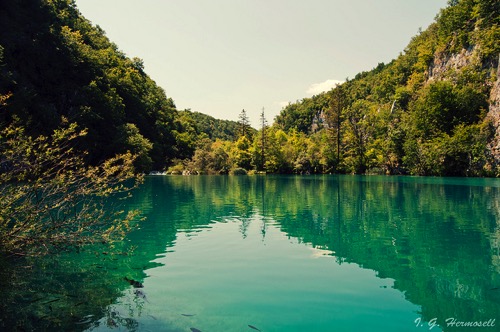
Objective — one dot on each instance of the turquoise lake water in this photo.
(287, 253)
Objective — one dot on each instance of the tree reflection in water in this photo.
(437, 238)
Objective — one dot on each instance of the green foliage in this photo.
(455, 23)
(51, 200)
(299, 116)
(276, 161)
(214, 128)
(244, 128)
(417, 114)
(464, 153)
(91, 83)
(241, 153)
(139, 146)
(459, 104)
(239, 171)
(210, 158)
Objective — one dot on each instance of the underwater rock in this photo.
(141, 294)
(111, 323)
(133, 282)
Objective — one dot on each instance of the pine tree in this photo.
(334, 118)
(244, 123)
(263, 123)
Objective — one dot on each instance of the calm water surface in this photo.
(278, 253)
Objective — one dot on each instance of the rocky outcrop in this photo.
(445, 63)
(494, 116)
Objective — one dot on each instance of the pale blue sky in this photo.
(221, 56)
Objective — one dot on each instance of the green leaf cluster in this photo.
(51, 199)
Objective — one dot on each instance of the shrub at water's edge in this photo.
(239, 171)
(52, 200)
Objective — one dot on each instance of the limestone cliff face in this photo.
(444, 64)
(494, 115)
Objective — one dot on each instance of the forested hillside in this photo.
(431, 111)
(58, 68)
(434, 110)
(213, 128)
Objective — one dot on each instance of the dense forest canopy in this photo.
(55, 64)
(425, 113)
(430, 111)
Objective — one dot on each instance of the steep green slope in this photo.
(57, 67)
(424, 113)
